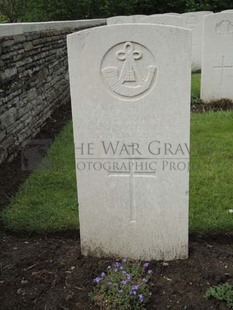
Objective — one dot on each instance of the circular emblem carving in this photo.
(128, 70)
(224, 27)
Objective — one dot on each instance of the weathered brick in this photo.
(8, 118)
(8, 73)
(33, 83)
(28, 46)
(7, 43)
(19, 38)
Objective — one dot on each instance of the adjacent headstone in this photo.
(138, 18)
(131, 118)
(164, 19)
(217, 61)
(227, 11)
(194, 21)
(173, 13)
(125, 19)
(119, 20)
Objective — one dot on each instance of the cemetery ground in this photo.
(41, 266)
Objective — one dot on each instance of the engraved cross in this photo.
(223, 67)
(132, 175)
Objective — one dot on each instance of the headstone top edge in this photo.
(163, 14)
(129, 25)
(198, 12)
(221, 14)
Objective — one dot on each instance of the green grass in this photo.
(211, 186)
(196, 80)
(47, 201)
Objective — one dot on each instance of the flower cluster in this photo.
(124, 283)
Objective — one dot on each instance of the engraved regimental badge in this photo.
(224, 27)
(128, 70)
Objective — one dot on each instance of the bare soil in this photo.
(214, 105)
(49, 273)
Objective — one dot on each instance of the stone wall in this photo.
(33, 78)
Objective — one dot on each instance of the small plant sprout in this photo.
(123, 286)
(196, 100)
(222, 292)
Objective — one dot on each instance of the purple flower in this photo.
(117, 264)
(134, 292)
(141, 297)
(124, 260)
(150, 271)
(135, 287)
(146, 265)
(128, 276)
(124, 272)
(121, 268)
(97, 280)
(103, 274)
(124, 282)
(144, 280)
(109, 283)
(115, 269)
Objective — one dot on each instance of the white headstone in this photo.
(164, 19)
(227, 11)
(217, 61)
(119, 20)
(132, 94)
(173, 13)
(138, 18)
(194, 21)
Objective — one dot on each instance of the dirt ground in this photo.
(49, 272)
